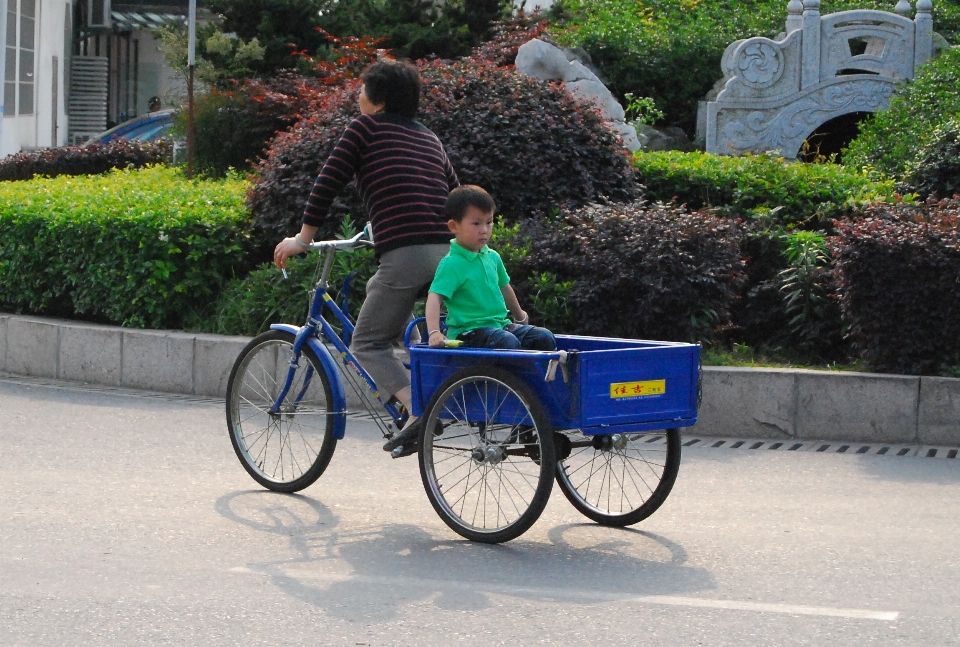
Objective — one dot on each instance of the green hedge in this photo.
(808, 195)
(141, 248)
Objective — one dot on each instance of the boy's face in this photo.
(473, 232)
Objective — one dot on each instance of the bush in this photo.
(234, 125)
(141, 248)
(638, 271)
(807, 195)
(891, 140)
(898, 272)
(287, 172)
(233, 128)
(84, 160)
(670, 51)
(416, 28)
(524, 140)
(264, 297)
(936, 169)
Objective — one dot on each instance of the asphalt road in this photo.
(125, 519)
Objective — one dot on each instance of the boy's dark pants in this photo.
(513, 337)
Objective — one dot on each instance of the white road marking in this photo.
(572, 594)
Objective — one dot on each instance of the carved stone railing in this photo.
(775, 93)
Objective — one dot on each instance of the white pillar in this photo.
(810, 64)
(924, 34)
(794, 16)
(903, 7)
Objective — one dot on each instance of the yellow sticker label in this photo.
(637, 389)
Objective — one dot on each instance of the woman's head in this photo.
(393, 84)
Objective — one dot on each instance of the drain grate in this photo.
(817, 446)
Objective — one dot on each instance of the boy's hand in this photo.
(437, 339)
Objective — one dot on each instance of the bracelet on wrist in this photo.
(433, 331)
(300, 242)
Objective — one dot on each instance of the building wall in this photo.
(157, 79)
(28, 132)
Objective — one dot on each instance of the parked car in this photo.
(150, 127)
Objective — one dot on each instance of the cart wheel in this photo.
(489, 470)
(289, 450)
(620, 479)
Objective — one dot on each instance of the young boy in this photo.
(473, 284)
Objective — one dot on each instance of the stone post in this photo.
(794, 16)
(903, 7)
(924, 34)
(810, 65)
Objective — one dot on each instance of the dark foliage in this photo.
(899, 283)
(235, 124)
(759, 317)
(639, 271)
(526, 141)
(279, 25)
(416, 28)
(234, 127)
(80, 160)
(507, 37)
(936, 169)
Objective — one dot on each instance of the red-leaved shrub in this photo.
(84, 160)
(526, 141)
(899, 285)
(640, 271)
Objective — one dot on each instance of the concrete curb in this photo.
(740, 402)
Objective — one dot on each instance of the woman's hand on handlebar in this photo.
(292, 246)
(437, 339)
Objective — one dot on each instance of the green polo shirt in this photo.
(470, 283)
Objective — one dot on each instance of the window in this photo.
(18, 77)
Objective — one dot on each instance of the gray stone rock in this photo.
(627, 134)
(542, 61)
(663, 139)
(577, 71)
(597, 94)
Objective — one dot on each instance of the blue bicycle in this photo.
(600, 416)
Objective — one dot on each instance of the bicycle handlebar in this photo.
(365, 237)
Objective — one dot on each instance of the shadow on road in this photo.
(331, 567)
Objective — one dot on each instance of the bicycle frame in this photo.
(317, 327)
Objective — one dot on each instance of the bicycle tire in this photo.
(487, 420)
(633, 477)
(288, 451)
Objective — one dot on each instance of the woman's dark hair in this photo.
(395, 84)
(468, 195)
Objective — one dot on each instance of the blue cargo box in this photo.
(609, 386)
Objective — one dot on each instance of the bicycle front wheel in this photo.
(618, 479)
(288, 448)
(486, 455)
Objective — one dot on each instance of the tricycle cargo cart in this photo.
(500, 426)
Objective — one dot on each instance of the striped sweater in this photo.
(403, 175)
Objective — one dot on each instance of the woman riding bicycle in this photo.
(404, 177)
